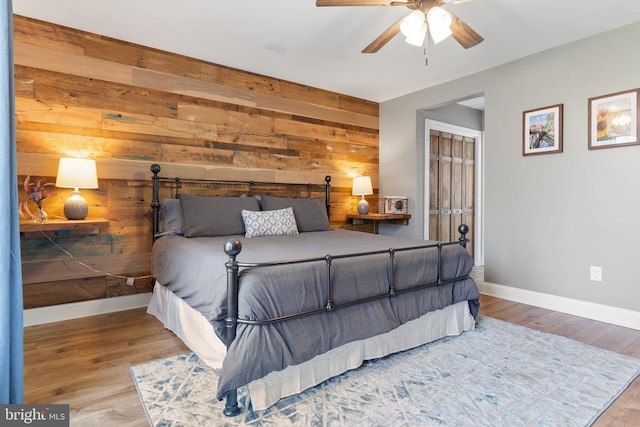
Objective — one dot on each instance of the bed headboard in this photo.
(176, 186)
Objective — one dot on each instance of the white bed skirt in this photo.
(197, 333)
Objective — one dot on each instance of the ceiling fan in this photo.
(427, 14)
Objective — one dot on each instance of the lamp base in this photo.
(363, 206)
(75, 207)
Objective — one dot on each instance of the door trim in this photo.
(478, 236)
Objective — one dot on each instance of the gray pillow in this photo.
(214, 215)
(310, 212)
(170, 217)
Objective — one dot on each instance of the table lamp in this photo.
(362, 187)
(76, 173)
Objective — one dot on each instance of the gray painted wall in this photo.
(547, 218)
(456, 114)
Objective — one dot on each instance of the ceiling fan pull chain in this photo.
(426, 58)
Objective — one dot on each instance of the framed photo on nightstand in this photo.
(396, 204)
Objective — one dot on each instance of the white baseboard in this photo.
(74, 310)
(589, 310)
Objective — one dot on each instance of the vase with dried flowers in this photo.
(36, 192)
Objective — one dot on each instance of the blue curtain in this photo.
(11, 321)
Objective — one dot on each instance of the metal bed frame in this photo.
(233, 247)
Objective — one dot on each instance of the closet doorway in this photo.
(452, 187)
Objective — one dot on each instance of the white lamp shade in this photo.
(414, 28)
(362, 186)
(412, 23)
(416, 38)
(439, 24)
(77, 173)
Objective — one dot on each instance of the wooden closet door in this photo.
(451, 185)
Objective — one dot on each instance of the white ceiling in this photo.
(320, 46)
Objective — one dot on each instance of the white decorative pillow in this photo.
(279, 222)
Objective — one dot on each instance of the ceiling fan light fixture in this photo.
(417, 37)
(414, 28)
(412, 23)
(439, 24)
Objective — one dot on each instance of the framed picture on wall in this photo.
(613, 120)
(542, 130)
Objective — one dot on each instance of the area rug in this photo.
(500, 374)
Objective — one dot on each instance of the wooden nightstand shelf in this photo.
(376, 218)
(65, 226)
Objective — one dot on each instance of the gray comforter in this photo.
(194, 270)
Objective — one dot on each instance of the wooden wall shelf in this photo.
(376, 218)
(27, 226)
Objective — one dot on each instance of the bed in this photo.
(260, 287)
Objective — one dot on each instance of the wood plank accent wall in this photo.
(128, 106)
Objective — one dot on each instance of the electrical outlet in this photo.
(595, 273)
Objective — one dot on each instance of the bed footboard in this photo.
(233, 247)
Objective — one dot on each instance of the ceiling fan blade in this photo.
(464, 34)
(321, 3)
(383, 38)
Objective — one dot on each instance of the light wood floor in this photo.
(85, 362)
